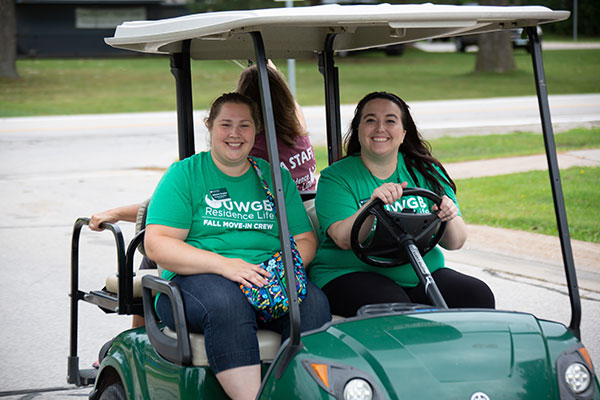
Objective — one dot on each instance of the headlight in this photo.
(575, 374)
(342, 381)
(577, 377)
(358, 389)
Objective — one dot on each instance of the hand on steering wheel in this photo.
(384, 248)
(447, 210)
(389, 192)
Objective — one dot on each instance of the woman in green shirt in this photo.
(385, 154)
(209, 226)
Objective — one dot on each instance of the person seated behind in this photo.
(195, 236)
(384, 154)
(127, 213)
(295, 149)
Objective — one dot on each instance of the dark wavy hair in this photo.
(236, 98)
(287, 125)
(416, 151)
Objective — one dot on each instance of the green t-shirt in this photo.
(227, 215)
(343, 188)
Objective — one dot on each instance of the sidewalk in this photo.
(450, 47)
(512, 165)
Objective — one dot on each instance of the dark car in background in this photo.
(518, 37)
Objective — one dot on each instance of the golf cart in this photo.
(387, 350)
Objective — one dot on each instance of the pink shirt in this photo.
(300, 161)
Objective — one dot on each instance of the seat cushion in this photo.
(140, 222)
(309, 205)
(112, 281)
(268, 344)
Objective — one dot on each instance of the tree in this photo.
(8, 38)
(495, 49)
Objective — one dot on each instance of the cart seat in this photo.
(112, 282)
(309, 205)
(268, 345)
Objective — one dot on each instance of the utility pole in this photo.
(574, 20)
(291, 63)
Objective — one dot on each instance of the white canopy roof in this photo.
(299, 32)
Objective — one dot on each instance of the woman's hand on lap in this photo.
(240, 271)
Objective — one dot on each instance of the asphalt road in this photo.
(55, 169)
(92, 143)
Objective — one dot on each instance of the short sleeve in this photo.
(334, 201)
(447, 188)
(171, 203)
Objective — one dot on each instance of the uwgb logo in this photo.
(414, 203)
(245, 206)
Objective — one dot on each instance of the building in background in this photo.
(77, 28)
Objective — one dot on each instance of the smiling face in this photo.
(380, 129)
(232, 135)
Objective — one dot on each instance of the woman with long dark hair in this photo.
(384, 154)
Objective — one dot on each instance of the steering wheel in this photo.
(384, 247)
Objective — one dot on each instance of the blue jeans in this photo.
(216, 307)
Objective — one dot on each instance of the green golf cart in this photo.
(386, 351)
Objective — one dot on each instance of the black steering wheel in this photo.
(384, 247)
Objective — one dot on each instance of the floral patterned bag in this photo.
(271, 300)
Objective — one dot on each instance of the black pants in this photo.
(147, 263)
(349, 292)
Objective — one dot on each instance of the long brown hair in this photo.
(416, 151)
(287, 125)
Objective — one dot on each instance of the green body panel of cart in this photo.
(430, 354)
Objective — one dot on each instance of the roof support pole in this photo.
(181, 70)
(294, 344)
(553, 169)
(332, 100)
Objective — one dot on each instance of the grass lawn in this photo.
(84, 86)
(468, 148)
(551, 37)
(524, 202)
(429, 76)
